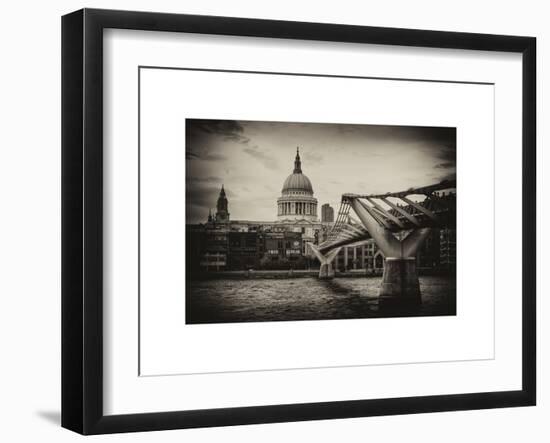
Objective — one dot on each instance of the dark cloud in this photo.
(445, 165)
(450, 176)
(229, 130)
(445, 152)
(204, 138)
(220, 127)
(204, 154)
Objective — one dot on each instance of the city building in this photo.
(447, 249)
(195, 247)
(283, 249)
(297, 201)
(245, 250)
(428, 256)
(366, 257)
(214, 256)
(327, 213)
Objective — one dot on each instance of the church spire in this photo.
(222, 210)
(297, 162)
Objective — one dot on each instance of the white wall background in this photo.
(30, 218)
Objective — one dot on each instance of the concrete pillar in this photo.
(400, 282)
(346, 258)
(326, 271)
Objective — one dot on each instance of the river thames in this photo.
(307, 298)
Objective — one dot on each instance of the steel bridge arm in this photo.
(404, 213)
(385, 213)
(382, 236)
(420, 208)
(325, 247)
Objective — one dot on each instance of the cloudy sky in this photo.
(252, 159)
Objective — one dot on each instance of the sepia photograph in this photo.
(289, 221)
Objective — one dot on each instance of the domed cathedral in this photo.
(297, 201)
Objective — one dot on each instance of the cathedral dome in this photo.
(297, 201)
(297, 182)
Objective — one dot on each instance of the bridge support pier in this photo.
(326, 271)
(400, 283)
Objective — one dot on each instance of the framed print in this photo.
(269, 221)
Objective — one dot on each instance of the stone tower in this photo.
(222, 212)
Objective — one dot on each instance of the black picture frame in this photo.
(82, 220)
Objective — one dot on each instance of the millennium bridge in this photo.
(398, 222)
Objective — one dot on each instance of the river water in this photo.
(307, 298)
